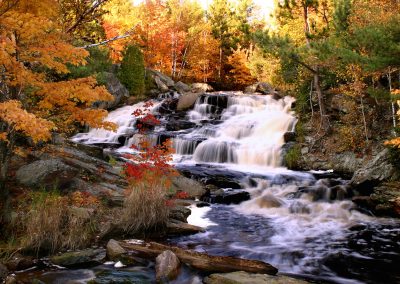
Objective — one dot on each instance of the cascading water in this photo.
(302, 225)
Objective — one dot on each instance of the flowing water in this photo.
(303, 224)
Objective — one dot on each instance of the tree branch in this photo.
(89, 11)
(109, 40)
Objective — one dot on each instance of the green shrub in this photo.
(99, 61)
(132, 73)
(292, 157)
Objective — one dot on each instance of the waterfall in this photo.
(250, 133)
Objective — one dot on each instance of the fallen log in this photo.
(203, 261)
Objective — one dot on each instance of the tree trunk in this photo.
(6, 149)
(321, 101)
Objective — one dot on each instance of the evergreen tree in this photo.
(132, 72)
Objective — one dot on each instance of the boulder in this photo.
(201, 88)
(19, 262)
(377, 170)
(193, 188)
(187, 101)
(176, 125)
(3, 271)
(182, 87)
(163, 78)
(52, 173)
(167, 266)
(114, 250)
(179, 213)
(227, 196)
(251, 89)
(83, 258)
(160, 84)
(265, 88)
(116, 89)
(241, 277)
(175, 227)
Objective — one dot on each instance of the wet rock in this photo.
(52, 173)
(20, 262)
(179, 213)
(265, 88)
(202, 204)
(176, 125)
(289, 137)
(175, 227)
(378, 169)
(187, 101)
(91, 150)
(168, 106)
(115, 88)
(193, 188)
(114, 250)
(201, 88)
(3, 271)
(298, 207)
(241, 277)
(167, 266)
(83, 258)
(268, 201)
(182, 87)
(226, 196)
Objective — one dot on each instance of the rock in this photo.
(241, 277)
(265, 88)
(384, 201)
(20, 262)
(304, 150)
(378, 169)
(182, 87)
(179, 213)
(226, 196)
(168, 106)
(115, 87)
(91, 150)
(3, 271)
(251, 89)
(193, 188)
(163, 78)
(167, 266)
(187, 101)
(201, 88)
(11, 279)
(114, 250)
(175, 227)
(83, 258)
(176, 125)
(268, 201)
(52, 173)
(160, 84)
(289, 137)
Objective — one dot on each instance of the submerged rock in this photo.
(167, 266)
(241, 277)
(87, 257)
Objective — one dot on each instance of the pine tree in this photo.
(132, 72)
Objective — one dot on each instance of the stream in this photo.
(304, 223)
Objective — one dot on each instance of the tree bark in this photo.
(203, 261)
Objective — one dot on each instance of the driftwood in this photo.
(203, 261)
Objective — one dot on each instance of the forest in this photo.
(199, 141)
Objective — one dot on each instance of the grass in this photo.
(293, 157)
(145, 208)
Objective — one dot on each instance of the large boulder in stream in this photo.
(167, 266)
(241, 277)
(187, 101)
(114, 250)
